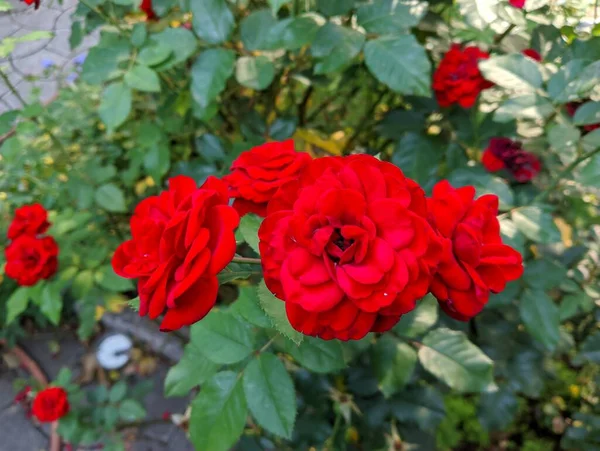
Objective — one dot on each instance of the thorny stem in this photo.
(334, 432)
(252, 261)
(24, 104)
(499, 38)
(565, 172)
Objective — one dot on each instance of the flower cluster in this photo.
(504, 153)
(457, 79)
(348, 243)
(30, 257)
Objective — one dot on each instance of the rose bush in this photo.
(298, 182)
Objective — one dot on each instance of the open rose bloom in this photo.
(347, 247)
(50, 404)
(181, 240)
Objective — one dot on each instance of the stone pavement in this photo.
(19, 433)
(46, 63)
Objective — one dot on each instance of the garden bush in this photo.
(379, 218)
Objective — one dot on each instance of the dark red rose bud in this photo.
(458, 79)
(146, 6)
(504, 153)
(32, 2)
(28, 220)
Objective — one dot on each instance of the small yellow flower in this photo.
(575, 390)
(101, 126)
(352, 435)
(63, 177)
(48, 161)
(175, 24)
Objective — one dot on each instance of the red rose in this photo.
(146, 6)
(533, 54)
(517, 3)
(474, 261)
(458, 79)
(572, 107)
(31, 2)
(504, 153)
(30, 259)
(259, 172)
(50, 404)
(28, 220)
(182, 239)
(347, 247)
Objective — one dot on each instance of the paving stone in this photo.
(71, 351)
(34, 20)
(7, 393)
(23, 49)
(18, 433)
(7, 26)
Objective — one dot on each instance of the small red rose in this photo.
(533, 54)
(146, 6)
(181, 240)
(504, 153)
(50, 404)
(347, 247)
(474, 261)
(458, 79)
(517, 3)
(31, 2)
(28, 220)
(257, 174)
(30, 259)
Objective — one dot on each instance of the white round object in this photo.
(113, 351)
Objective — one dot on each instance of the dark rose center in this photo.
(337, 245)
(30, 257)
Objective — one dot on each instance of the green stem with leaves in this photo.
(252, 261)
(544, 194)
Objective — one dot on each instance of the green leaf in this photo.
(270, 395)
(210, 147)
(394, 363)
(275, 310)
(588, 113)
(527, 106)
(138, 34)
(417, 155)
(16, 304)
(102, 61)
(210, 73)
(536, 224)
(574, 81)
(336, 8)
(117, 392)
(276, 5)
(588, 174)
(154, 54)
(111, 416)
(544, 273)
(249, 225)
(515, 72)
(115, 105)
(336, 46)
(318, 355)
(223, 338)
(423, 406)
(142, 78)
(541, 317)
(7, 121)
(255, 72)
(5, 6)
(478, 13)
(180, 41)
(105, 277)
(212, 20)
(452, 358)
(131, 410)
(192, 370)
(497, 410)
(283, 128)
(420, 320)
(390, 16)
(294, 33)
(401, 63)
(252, 30)
(248, 307)
(564, 138)
(63, 378)
(52, 302)
(590, 349)
(218, 413)
(111, 198)
(157, 160)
